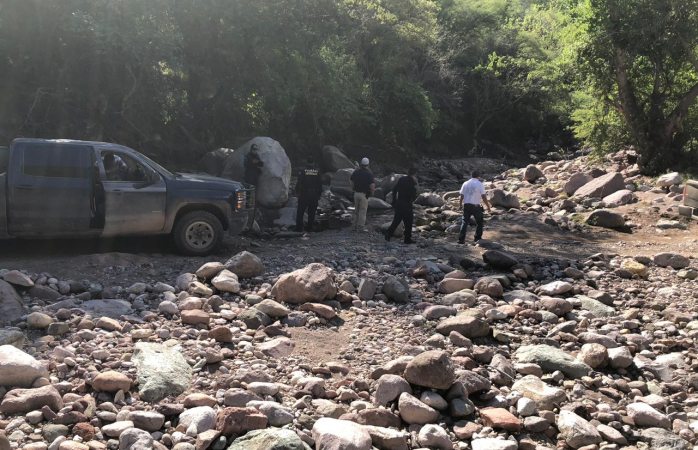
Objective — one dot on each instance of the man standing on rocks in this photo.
(309, 190)
(364, 184)
(472, 195)
(404, 195)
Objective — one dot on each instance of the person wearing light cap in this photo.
(364, 184)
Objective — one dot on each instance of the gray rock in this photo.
(507, 200)
(396, 290)
(367, 289)
(468, 326)
(333, 434)
(521, 295)
(551, 359)
(113, 308)
(11, 305)
(11, 336)
(333, 159)
(18, 369)
(605, 218)
(389, 387)
(576, 181)
(162, 371)
(596, 308)
(414, 411)
(673, 260)
(576, 431)
(313, 283)
(430, 199)
(546, 397)
(499, 259)
(135, 439)
(661, 439)
(532, 173)
(643, 415)
(245, 265)
(340, 183)
(619, 198)
(431, 369)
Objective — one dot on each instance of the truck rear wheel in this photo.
(197, 233)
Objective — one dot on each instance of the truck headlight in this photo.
(241, 200)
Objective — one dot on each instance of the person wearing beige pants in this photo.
(364, 184)
(360, 208)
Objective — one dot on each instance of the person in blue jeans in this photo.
(472, 196)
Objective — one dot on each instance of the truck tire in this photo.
(197, 233)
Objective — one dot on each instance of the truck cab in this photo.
(53, 188)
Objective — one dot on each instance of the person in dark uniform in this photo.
(253, 166)
(253, 170)
(309, 190)
(404, 195)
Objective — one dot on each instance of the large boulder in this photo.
(669, 179)
(11, 305)
(532, 173)
(605, 218)
(313, 283)
(275, 179)
(162, 371)
(575, 182)
(602, 186)
(503, 199)
(333, 159)
(18, 369)
(340, 183)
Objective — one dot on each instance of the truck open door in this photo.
(50, 189)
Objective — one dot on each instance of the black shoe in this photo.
(410, 242)
(461, 241)
(386, 235)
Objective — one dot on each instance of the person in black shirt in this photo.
(253, 166)
(404, 195)
(309, 190)
(364, 184)
(253, 170)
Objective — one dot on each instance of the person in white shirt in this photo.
(472, 195)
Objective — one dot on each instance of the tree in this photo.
(641, 56)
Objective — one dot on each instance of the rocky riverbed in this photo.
(551, 334)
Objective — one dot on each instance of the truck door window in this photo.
(121, 167)
(60, 161)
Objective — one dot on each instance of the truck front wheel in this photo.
(197, 233)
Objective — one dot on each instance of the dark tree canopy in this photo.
(177, 78)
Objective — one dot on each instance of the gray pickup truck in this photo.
(66, 188)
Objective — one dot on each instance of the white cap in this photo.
(364, 162)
